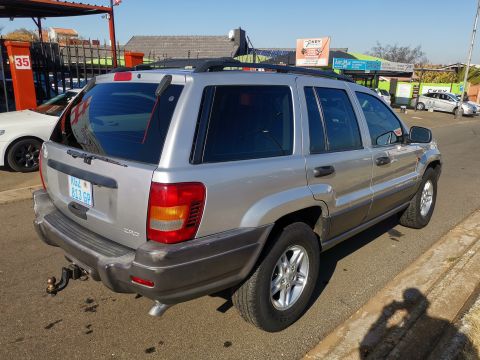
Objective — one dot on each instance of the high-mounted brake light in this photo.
(122, 76)
(174, 211)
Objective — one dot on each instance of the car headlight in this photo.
(2, 132)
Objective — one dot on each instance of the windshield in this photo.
(384, 92)
(56, 105)
(124, 120)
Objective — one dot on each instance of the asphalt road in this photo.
(89, 321)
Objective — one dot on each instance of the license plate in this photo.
(80, 190)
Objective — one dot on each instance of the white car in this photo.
(384, 94)
(76, 83)
(23, 132)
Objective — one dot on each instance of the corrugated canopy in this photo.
(47, 8)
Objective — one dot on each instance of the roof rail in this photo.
(220, 64)
(178, 63)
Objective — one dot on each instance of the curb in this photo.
(407, 318)
(14, 195)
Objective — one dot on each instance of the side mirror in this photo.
(419, 134)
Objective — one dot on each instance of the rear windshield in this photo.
(124, 120)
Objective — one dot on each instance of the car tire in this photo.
(268, 309)
(22, 156)
(419, 212)
(420, 106)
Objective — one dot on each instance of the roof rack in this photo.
(221, 64)
(179, 63)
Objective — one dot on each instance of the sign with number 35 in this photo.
(22, 62)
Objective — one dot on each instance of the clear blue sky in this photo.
(441, 27)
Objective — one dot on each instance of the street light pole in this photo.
(465, 79)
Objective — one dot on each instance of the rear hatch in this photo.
(99, 163)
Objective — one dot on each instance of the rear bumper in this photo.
(180, 272)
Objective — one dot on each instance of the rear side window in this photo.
(340, 120)
(124, 120)
(247, 122)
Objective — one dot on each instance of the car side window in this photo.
(315, 123)
(249, 122)
(383, 125)
(340, 121)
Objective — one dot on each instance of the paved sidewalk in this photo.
(9, 196)
(413, 315)
(13, 180)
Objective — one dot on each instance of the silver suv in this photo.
(176, 183)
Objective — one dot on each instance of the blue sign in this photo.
(354, 64)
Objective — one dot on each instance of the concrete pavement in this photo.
(413, 316)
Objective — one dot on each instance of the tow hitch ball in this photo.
(70, 272)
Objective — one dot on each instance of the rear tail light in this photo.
(141, 281)
(174, 211)
(40, 157)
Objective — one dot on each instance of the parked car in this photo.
(76, 83)
(444, 102)
(22, 132)
(472, 103)
(175, 184)
(385, 95)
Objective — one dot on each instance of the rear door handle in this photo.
(323, 171)
(383, 160)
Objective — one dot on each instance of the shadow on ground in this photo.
(404, 330)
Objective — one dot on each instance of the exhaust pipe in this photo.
(158, 309)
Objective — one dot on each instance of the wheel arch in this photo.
(14, 141)
(313, 216)
(436, 165)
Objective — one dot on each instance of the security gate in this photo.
(57, 68)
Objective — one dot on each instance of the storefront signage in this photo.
(312, 52)
(354, 64)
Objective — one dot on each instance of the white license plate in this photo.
(80, 190)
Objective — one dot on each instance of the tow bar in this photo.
(72, 271)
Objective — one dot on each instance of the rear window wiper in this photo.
(87, 158)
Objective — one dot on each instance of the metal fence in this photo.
(57, 68)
